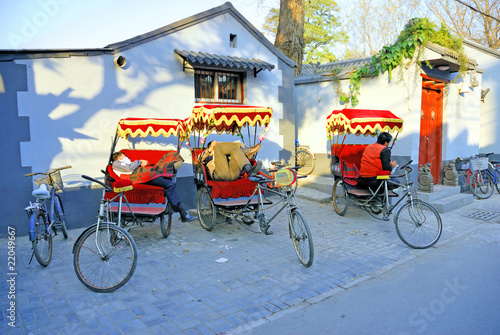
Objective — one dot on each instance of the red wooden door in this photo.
(431, 128)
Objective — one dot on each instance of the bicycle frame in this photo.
(40, 205)
(104, 216)
(286, 199)
(494, 175)
(387, 207)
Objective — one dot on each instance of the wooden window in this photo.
(218, 86)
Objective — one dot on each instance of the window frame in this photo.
(216, 73)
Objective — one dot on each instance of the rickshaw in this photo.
(244, 199)
(417, 223)
(105, 254)
(145, 203)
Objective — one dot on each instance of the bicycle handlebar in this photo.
(407, 169)
(98, 182)
(48, 172)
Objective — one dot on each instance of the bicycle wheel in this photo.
(42, 243)
(301, 237)
(306, 161)
(207, 213)
(105, 259)
(481, 184)
(497, 186)
(166, 221)
(340, 197)
(418, 224)
(60, 217)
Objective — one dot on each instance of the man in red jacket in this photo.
(377, 156)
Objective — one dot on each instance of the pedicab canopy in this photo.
(228, 118)
(362, 121)
(358, 122)
(155, 127)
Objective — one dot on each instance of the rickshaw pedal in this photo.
(385, 218)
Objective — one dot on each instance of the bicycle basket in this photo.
(480, 163)
(54, 176)
(462, 164)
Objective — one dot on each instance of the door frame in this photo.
(437, 86)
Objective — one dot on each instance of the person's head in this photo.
(118, 156)
(211, 143)
(384, 138)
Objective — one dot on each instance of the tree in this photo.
(290, 31)
(321, 30)
(373, 24)
(476, 20)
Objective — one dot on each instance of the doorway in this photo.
(431, 126)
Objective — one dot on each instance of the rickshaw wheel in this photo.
(340, 197)
(207, 212)
(166, 221)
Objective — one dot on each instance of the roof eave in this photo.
(226, 8)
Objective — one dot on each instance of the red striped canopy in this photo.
(143, 127)
(227, 119)
(362, 121)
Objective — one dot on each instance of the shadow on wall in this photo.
(71, 128)
(51, 132)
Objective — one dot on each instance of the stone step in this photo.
(312, 194)
(320, 183)
(440, 192)
(450, 203)
(444, 198)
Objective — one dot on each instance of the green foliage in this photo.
(409, 41)
(320, 29)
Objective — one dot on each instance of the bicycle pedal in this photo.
(267, 231)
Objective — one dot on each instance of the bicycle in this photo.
(46, 221)
(105, 254)
(305, 159)
(486, 176)
(470, 174)
(417, 223)
(249, 211)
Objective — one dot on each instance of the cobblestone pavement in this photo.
(179, 288)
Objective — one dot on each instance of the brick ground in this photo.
(178, 288)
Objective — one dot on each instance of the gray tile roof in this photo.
(202, 58)
(308, 69)
(451, 54)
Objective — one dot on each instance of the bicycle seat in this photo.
(41, 192)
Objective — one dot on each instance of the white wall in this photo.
(402, 96)
(74, 103)
(461, 113)
(489, 135)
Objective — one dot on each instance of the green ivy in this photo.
(415, 35)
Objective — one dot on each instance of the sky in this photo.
(63, 24)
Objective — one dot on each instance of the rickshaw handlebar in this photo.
(109, 189)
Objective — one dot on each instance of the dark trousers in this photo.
(170, 189)
(373, 183)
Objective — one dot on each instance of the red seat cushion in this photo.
(242, 187)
